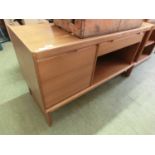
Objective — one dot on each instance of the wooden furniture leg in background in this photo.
(128, 72)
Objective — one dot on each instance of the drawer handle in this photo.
(111, 41)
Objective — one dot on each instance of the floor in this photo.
(121, 106)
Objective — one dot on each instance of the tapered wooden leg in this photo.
(30, 91)
(47, 115)
(48, 118)
(128, 72)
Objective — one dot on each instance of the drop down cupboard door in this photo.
(63, 75)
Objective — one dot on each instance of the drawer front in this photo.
(112, 45)
(64, 75)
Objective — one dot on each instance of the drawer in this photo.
(112, 45)
(64, 75)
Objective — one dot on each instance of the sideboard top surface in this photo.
(44, 37)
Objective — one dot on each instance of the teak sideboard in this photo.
(59, 67)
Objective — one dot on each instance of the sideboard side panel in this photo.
(25, 59)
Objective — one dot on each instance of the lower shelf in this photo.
(109, 68)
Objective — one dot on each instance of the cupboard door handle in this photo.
(139, 33)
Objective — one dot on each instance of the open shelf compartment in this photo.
(146, 53)
(113, 64)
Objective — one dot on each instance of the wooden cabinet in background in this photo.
(146, 47)
(59, 67)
